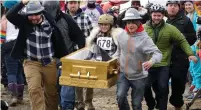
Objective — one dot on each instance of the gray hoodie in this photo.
(135, 50)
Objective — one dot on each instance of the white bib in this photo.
(105, 43)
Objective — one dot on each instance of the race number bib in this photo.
(105, 43)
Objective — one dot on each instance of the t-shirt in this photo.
(93, 14)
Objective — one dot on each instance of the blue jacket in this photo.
(195, 16)
(195, 69)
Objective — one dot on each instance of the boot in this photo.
(13, 90)
(20, 91)
(79, 106)
(88, 99)
(178, 108)
(89, 106)
(4, 91)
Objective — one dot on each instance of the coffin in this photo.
(87, 73)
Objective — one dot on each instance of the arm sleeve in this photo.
(89, 25)
(179, 38)
(190, 33)
(118, 51)
(150, 48)
(75, 33)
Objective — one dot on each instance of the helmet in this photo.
(91, 1)
(113, 9)
(148, 6)
(106, 18)
(132, 14)
(52, 7)
(172, 2)
(73, 0)
(183, 2)
(33, 7)
(135, 1)
(9, 4)
(157, 8)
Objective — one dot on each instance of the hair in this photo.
(2, 10)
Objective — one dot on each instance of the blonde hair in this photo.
(196, 9)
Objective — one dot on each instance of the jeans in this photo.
(67, 97)
(138, 88)
(14, 70)
(160, 77)
(58, 85)
(178, 75)
(66, 93)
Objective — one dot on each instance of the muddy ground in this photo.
(104, 99)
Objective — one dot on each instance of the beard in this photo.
(156, 22)
(91, 5)
(36, 21)
(72, 11)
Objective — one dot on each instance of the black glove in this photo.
(90, 56)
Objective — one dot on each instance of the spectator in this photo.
(137, 5)
(93, 11)
(191, 13)
(195, 69)
(13, 66)
(114, 11)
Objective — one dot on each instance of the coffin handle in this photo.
(78, 75)
(113, 71)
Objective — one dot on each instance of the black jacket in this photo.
(70, 31)
(184, 24)
(25, 28)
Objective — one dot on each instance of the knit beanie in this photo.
(10, 3)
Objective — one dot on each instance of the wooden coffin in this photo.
(87, 73)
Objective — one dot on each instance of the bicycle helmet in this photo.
(157, 8)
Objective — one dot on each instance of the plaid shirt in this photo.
(39, 45)
(84, 22)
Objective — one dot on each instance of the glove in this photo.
(192, 87)
(90, 56)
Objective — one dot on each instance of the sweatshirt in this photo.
(195, 68)
(135, 50)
